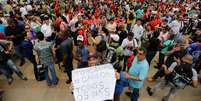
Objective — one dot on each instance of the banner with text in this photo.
(95, 83)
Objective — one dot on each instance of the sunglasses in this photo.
(140, 53)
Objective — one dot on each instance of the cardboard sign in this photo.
(95, 83)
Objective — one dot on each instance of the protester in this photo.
(44, 51)
(137, 73)
(82, 53)
(188, 76)
(7, 64)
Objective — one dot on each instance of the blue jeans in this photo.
(150, 55)
(135, 94)
(53, 74)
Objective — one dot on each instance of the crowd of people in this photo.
(125, 33)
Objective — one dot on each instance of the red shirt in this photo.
(2, 36)
(130, 60)
(97, 13)
(58, 22)
(56, 7)
(154, 23)
(82, 31)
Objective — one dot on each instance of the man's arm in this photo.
(142, 76)
(130, 77)
(170, 69)
(194, 79)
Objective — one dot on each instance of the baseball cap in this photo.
(80, 38)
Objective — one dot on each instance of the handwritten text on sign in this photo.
(94, 83)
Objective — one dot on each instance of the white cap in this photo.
(80, 38)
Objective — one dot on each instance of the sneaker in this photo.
(1, 97)
(128, 94)
(150, 79)
(24, 78)
(49, 84)
(149, 91)
(1, 92)
(10, 81)
(56, 82)
(165, 98)
(156, 67)
(68, 81)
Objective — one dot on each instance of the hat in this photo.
(188, 59)
(80, 38)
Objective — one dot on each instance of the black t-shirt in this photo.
(196, 38)
(17, 33)
(122, 36)
(153, 44)
(3, 55)
(177, 54)
(66, 48)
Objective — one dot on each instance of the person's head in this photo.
(80, 40)
(138, 22)
(166, 28)
(130, 36)
(46, 19)
(148, 27)
(170, 36)
(27, 28)
(121, 27)
(198, 32)
(40, 36)
(141, 53)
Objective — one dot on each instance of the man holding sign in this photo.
(137, 73)
(99, 82)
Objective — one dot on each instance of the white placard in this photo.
(95, 83)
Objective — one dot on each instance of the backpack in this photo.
(102, 46)
(181, 75)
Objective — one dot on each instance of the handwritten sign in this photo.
(95, 83)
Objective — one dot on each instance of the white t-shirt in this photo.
(46, 30)
(23, 10)
(138, 31)
(175, 26)
(72, 23)
(29, 7)
(127, 43)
